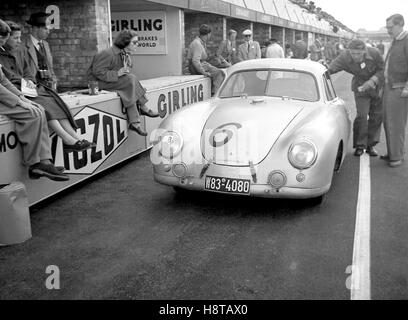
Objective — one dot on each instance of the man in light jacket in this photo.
(274, 50)
(250, 49)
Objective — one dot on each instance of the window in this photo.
(293, 84)
(251, 83)
(275, 83)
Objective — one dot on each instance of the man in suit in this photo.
(249, 49)
(30, 124)
(227, 48)
(39, 53)
(395, 97)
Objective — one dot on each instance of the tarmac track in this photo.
(123, 236)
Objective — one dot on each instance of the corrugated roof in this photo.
(280, 12)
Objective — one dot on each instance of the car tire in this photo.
(315, 201)
(337, 162)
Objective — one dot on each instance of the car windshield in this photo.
(275, 83)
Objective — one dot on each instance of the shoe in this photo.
(385, 157)
(150, 113)
(371, 151)
(394, 164)
(358, 152)
(78, 146)
(93, 144)
(39, 170)
(60, 169)
(137, 129)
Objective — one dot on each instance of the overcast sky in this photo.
(366, 14)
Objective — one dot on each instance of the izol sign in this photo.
(107, 130)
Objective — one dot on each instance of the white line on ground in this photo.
(360, 276)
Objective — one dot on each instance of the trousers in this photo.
(367, 124)
(32, 133)
(395, 122)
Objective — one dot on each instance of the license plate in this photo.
(228, 185)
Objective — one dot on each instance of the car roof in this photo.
(275, 63)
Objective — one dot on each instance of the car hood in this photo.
(242, 131)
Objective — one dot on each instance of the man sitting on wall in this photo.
(30, 125)
(14, 59)
(197, 56)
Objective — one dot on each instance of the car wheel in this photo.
(337, 163)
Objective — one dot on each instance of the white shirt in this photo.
(35, 42)
(274, 51)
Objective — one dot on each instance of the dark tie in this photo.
(42, 48)
(249, 45)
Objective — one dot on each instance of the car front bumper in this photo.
(256, 190)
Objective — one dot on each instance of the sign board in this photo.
(107, 130)
(150, 27)
(100, 119)
(169, 99)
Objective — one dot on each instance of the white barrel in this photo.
(15, 225)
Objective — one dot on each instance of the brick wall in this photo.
(289, 36)
(261, 33)
(84, 30)
(277, 33)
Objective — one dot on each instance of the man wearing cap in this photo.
(367, 66)
(395, 98)
(250, 49)
(197, 56)
(39, 53)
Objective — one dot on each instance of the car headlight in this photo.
(302, 154)
(170, 144)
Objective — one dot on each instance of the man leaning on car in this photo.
(367, 66)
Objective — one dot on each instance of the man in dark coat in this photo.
(395, 97)
(14, 59)
(367, 66)
(30, 125)
(112, 69)
(39, 53)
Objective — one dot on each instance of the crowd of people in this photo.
(380, 87)
(28, 85)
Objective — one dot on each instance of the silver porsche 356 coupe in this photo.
(274, 129)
